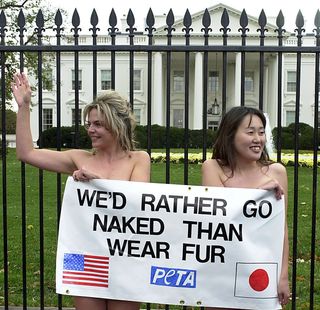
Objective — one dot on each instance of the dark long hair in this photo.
(223, 148)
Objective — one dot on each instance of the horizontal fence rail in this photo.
(36, 232)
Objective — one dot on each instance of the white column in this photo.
(157, 97)
(198, 92)
(272, 90)
(237, 80)
(266, 92)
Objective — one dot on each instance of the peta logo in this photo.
(173, 277)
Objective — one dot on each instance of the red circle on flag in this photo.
(259, 280)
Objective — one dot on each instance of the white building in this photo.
(177, 93)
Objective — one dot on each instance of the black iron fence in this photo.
(24, 283)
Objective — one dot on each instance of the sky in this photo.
(140, 8)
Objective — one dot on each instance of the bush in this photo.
(49, 138)
(1, 149)
(196, 138)
(288, 136)
(176, 137)
(10, 122)
(158, 137)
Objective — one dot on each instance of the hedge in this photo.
(176, 137)
(158, 137)
(306, 133)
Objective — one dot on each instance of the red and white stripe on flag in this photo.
(85, 270)
(256, 280)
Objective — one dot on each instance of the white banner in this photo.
(170, 244)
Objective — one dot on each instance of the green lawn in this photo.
(49, 212)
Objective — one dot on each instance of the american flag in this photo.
(87, 270)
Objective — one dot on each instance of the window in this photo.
(47, 119)
(137, 80)
(47, 79)
(137, 116)
(178, 118)
(73, 121)
(249, 82)
(290, 117)
(213, 82)
(178, 81)
(213, 125)
(105, 79)
(291, 81)
(74, 79)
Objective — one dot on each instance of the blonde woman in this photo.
(110, 126)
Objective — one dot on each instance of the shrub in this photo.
(176, 137)
(49, 138)
(158, 137)
(10, 122)
(288, 136)
(1, 148)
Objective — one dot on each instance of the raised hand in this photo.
(21, 89)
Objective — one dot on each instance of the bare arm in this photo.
(283, 288)
(41, 158)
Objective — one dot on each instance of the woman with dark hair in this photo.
(110, 124)
(240, 159)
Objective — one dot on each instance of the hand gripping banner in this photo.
(170, 244)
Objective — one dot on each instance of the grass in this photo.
(49, 212)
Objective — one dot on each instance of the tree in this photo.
(18, 19)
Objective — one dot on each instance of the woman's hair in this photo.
(224, 148)
(117, 117)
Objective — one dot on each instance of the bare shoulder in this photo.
(141, 166)
(278, 169)
(140, 156)
(278, 172)
(212, 173)
(211, 165)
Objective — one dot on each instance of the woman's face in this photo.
(99, 135)
(250, 138)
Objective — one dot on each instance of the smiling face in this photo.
(112, 110)
(250, 138)
(97, 130)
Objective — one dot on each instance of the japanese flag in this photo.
(256, 280)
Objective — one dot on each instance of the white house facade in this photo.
(177, 76)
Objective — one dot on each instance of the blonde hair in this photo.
(117, 117)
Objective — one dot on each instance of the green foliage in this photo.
(10, 122)
(176, 137)
(306, 133)
(158, 137)
(2, 148)
(11, 61)
(49, 138)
